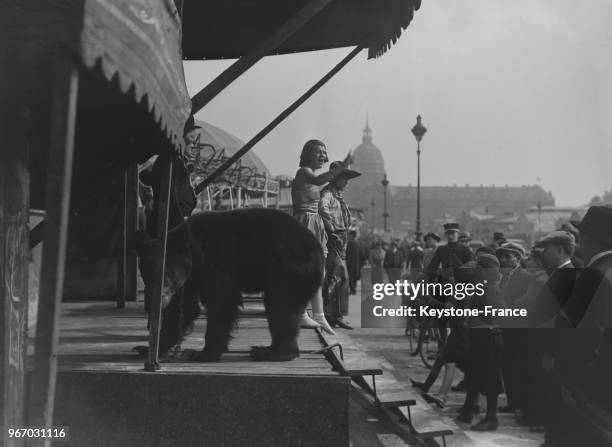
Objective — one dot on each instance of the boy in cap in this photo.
(513, 285)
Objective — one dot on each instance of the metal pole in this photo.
(418, 219)
(276, 121)
(262, 49)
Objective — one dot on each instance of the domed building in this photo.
(363, 190)
(438, 203)
(368, 160)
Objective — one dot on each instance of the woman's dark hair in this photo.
(310, 146)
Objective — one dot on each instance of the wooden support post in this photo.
(59, 174)
(14, 252)
(276, 121)
(264, 48)
(152, 362)
(127, 261)
(132, 227)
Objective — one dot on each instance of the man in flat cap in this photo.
(554, 251)
(513, 285)
(337, 220)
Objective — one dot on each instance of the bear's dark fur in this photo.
(216, 256)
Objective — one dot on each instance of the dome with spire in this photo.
(368, 160)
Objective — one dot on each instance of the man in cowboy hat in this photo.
(337, 220)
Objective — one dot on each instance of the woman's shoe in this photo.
(322, 321)
(308, 323)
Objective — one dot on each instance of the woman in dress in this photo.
(305, 195)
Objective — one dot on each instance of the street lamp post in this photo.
(373, 204)
(418, 131)
(385, 215)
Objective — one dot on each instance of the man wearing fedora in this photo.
(337, 220)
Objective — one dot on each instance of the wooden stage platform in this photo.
(107, 399)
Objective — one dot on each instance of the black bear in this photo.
(216, 256)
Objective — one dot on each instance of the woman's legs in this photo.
(318, 315)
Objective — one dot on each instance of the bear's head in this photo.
(178, 265)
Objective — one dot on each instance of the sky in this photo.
(511, 92)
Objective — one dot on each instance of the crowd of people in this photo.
(541, 362)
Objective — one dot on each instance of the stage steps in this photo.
(385, 391)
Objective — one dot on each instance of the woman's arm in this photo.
(308, 175)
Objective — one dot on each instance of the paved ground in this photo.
(392, 347)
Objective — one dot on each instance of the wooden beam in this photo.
(59, 174)
(123, 247)
(152, 362)
(264, 48)
(127, 261)
(14, 253)
(132, 227)
(276, 121)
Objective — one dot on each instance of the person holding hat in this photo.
(337, 219)
(305, 195)
(590, 304)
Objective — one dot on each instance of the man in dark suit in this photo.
(514, 283)
(445, 261)
(448, 257)
(554, 251)
(577, 364)
(590, 304)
